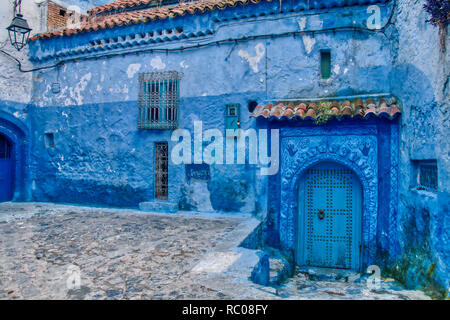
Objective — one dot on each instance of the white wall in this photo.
(14, 85)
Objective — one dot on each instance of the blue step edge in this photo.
(159, 206)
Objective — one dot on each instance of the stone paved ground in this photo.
(127, 254)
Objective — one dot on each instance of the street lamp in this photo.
(18, 30)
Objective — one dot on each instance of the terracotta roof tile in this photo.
(347, 108)
(120, 4)
(133, 17)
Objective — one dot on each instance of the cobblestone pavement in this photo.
(127, 254)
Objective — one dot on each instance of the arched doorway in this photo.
(6, 169)
(329, 217)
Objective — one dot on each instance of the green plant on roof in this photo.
(323, 113)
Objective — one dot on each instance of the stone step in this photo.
(159, 207)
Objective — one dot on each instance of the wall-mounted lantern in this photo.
(18, 30)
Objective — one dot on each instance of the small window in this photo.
(62, 12)
(161, 170)
(159, 95)
(49, 139)
(325, 64)
(426, 174)
(232, 116)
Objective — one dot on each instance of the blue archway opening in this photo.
(6, 169)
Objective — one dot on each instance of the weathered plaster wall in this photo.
(93, 116)
(100, 156)
(420, 78)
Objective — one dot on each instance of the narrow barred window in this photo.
(425, 174)
(428, 176)
(161, 170)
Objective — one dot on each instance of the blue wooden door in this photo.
(330, 217)
(6, 169)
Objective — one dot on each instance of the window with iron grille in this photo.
(159, 95)
(426, 174)
(161, 170)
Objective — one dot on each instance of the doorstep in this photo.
(159, 206)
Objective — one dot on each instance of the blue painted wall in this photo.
(101, 157)
(420, 73)
(93, 117)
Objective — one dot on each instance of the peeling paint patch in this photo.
(183, 65)
(37, 78)
(302, 23)
(157, 63)
(336, 69)
(253, 60)
(308, 42)
(76, 93)
(132, 69)
(19, 115)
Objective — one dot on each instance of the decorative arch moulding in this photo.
(359, 153)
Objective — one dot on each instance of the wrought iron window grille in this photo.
(159, 98)
(426, 175)
(161, 171)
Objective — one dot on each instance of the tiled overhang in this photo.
(124, 5)
(95, 23)
(361, 107)
(131, 12)
(121, 5)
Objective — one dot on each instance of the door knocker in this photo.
(321, 214)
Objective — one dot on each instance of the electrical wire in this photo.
(19, 63)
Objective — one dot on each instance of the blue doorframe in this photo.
(329, 217)
(6, 169)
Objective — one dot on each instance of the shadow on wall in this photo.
(228, 194)
(423, 259)
(89, 192)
